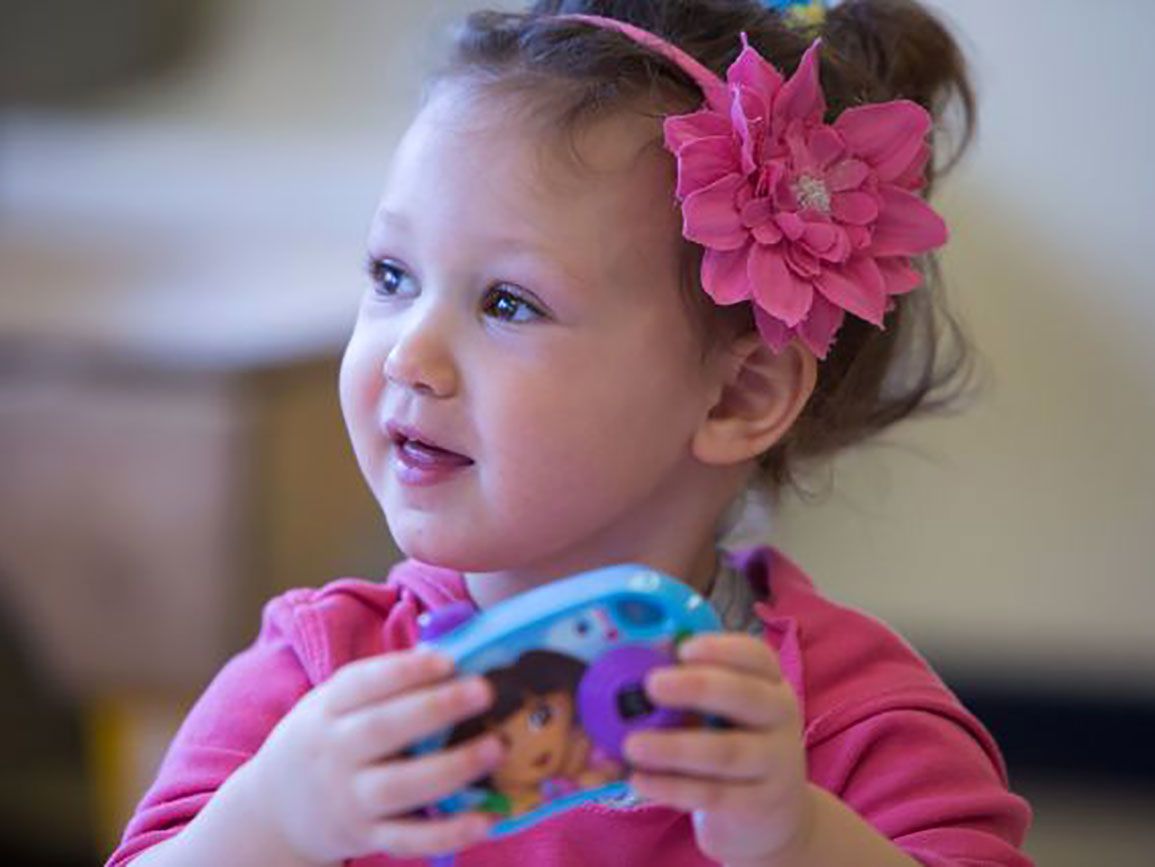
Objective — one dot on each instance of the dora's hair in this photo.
(873, 51)
(534, 673)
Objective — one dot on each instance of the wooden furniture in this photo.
(149, 510)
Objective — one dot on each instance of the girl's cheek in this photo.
(359, 390)
(360, 377)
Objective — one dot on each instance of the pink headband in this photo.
(807, 220)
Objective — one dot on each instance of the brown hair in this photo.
(533, 673)
(873, 51)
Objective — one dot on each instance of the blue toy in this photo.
(567, 661)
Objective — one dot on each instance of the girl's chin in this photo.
(457, 555)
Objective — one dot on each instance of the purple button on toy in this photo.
(433, 624)
(612, 701)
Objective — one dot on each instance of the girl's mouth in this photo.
(420, 453)
(419, 462)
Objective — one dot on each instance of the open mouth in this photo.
(420, 452)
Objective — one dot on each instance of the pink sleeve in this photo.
(930, 779)
(225, 727)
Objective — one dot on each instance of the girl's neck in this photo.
(696, 568)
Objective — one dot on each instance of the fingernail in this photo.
(654, 681)
(688, 648)
(435, 659)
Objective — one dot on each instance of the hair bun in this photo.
(899, 50)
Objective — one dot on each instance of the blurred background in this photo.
(185, 187)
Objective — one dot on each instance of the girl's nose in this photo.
(419, 361)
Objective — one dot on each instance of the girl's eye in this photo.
(388, 279)
(508, 307)
(541, 716)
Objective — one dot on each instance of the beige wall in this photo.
(1021, 536)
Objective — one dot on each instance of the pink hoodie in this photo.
(882, 732)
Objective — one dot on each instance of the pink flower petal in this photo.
(825, 146)
(756, 212)
(681, 129)
(902, 161)
(857, 287)
(704, 161)
(906, 226)
(800, 98)
(888, 135)
(898, 274)
(820, 237)
(856, 208)
(772, 330)
(801, 160)
(801, 261)
(710, 215)
(791, 224)
(724, 275)
(783, 194)
(776, 289)
(821, 324)
(748, 122)
(858, 236)
(753, 72)
(767, 233)
(914, 178)
(847, 175)
(841, 249)
(769, 175)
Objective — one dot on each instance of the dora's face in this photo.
(535, 739)
(524, 379)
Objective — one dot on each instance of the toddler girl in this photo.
(633, 259)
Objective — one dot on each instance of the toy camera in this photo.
(567, 662)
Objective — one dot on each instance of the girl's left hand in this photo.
(745, 785)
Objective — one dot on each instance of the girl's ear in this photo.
(758, 396)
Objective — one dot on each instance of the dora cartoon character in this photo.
(548, 753)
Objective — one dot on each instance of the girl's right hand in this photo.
(329, 780)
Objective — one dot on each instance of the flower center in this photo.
(812, 193)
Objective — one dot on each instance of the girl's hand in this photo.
(328, 781)
(746, 785)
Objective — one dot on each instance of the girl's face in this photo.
(527, 317)
(536, 738)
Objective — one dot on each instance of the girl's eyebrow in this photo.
(394, 218)
(509, 243)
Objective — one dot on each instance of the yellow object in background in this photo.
(126, 739)
(800, 13)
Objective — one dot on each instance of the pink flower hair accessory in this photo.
(807, 220)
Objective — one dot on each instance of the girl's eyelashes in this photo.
(541, 715)
(386, 276)
(508, 306)
(502, 301)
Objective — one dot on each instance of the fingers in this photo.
(732, 649)
(401, 785)
(385, 729)
(371, 680)
(741, 698)
(415, 838)
(729, 755)
(723, 674)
